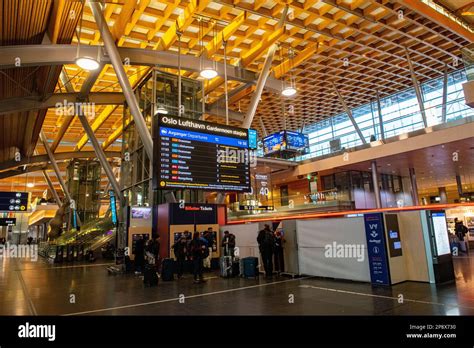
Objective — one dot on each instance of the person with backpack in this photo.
(266, 244)
(180, 251)
(228, 243)
(199, 251)
(461, 232)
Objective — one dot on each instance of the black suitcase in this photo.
(235, 268)
(167, 269)
(150, 277)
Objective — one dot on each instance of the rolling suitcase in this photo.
(235, 268)
(150, 277)
(167, 271)
(249, 267)
(226, 266)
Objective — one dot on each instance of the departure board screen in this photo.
(195, 154)
(13, 201)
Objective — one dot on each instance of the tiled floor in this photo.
(28, 288)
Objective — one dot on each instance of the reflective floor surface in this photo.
(39, 288)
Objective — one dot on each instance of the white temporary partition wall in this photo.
(245, 238)
(314, 235)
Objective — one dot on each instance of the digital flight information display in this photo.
(14, 201)
(195, 154)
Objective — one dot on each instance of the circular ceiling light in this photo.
(87, 63)
(161, 110)
(30, 185)
(288, 91)
(208, 73)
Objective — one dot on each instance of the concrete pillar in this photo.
(414, 187)
(375, 181)
(442, 195)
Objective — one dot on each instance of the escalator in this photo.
(92, 236)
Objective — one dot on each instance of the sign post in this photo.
(376, 249)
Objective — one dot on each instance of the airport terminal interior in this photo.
(237, 157)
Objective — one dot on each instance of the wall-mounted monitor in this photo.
(440, 229)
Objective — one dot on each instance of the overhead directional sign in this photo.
(7, 221)
(14, 201)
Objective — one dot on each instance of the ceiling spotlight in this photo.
(288, 91)
(208, 73)
(30, 185)
(87, 63)
(161, 110)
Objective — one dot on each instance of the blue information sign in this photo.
(376, 249)
(74, 218)
(253, 135)
(113, 207)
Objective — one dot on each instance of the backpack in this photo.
(268, 239)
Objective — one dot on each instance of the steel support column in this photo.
(414, 187)
(264, 130)
(51, 188)
(375, 182)
(444, 105)
(44, 140)
(220, 199)
(122, 77)
(416, 86)
(349, 113)
(459, 185)
(379, 109)
(262, 78)
(101, 155)
(443, 196)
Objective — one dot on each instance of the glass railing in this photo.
(321, 201)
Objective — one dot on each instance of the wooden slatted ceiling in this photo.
(368, 33)
(26, 22)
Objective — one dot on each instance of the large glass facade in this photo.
(400, 114)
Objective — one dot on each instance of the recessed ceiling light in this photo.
(30, 185)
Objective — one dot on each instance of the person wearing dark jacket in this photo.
(278, 252)
(139, 255)
(180, 250)
(199, 251)
(461, 232)
(266, 244)
(228, 243)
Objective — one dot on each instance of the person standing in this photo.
(278, 252)
(266, 243)
(209, 237)
(228, 243)
(199, 252)
(461, 232)
(139, 255)
(180, 250)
